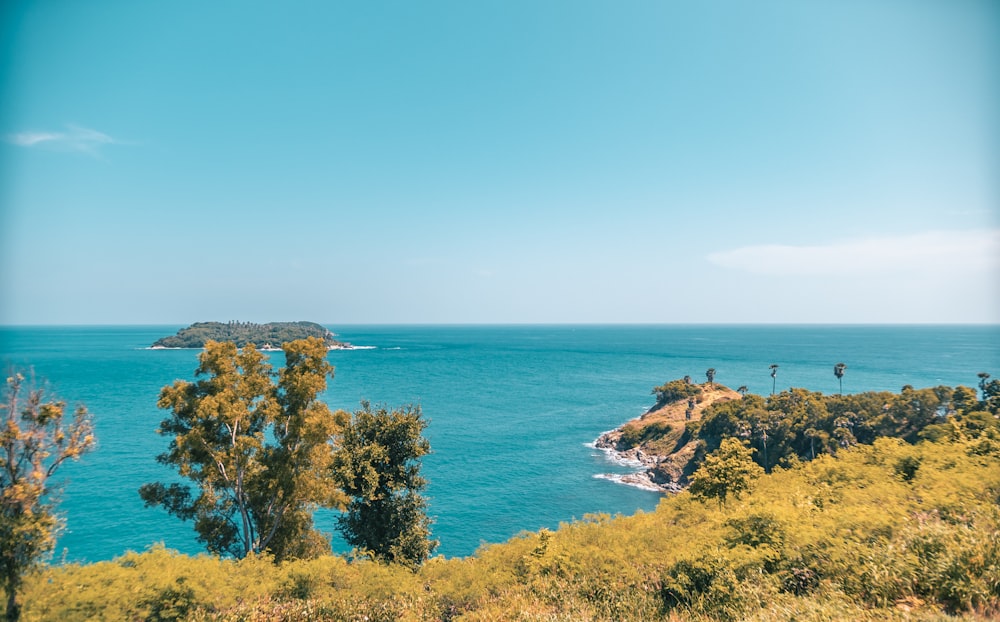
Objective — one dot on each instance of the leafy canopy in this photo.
(729, 471)
(377, 464)
(257, 452)
(35, 439)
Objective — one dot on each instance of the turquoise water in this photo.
(511, 408)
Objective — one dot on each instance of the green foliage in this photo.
(244, 333)
(801, 425)
(257, 452)
(729, 471)
(377, 464)
(633, 435)
(838, 538)
(676, 390)
(880, 531)
(35, 439)
(991, 394)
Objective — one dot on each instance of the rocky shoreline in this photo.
(647, 475)
(663, 458)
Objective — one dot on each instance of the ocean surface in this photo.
(512, 409)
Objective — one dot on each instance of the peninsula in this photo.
(265, 336)
(663, 442)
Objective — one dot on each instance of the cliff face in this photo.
(660, 442)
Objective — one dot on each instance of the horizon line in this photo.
(504, 324)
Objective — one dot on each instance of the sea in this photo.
(513, 410)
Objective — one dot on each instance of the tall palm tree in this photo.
(838, 371)
(710, 374)
(742, 390)
(774, 376)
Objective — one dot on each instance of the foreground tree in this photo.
(728, 471)
(377, 464)
(257, 452)
(35, 439)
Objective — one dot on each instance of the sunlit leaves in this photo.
(256, 451)
(729, 471)
(35, 439)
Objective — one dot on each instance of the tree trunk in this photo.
(13, 609)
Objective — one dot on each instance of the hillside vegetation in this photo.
(882, 531)
(689, 421)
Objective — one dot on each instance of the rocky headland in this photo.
(659, 443)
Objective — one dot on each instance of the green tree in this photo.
(774, 376)
(812, 434)
(838, 371)
(729, 471)
(991, 397)
(377, 464)
(710, 375)
(35, 439)
(991, 393)
(843, 430)
(257, 452)
(675, 390)
(983, 377)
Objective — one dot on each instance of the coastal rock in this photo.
(658, 445)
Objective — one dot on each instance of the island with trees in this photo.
(268, 337)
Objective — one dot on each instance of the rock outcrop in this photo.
(659, 443)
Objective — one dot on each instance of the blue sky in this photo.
(494, 162)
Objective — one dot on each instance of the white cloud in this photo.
(75, 138)
(965, 251)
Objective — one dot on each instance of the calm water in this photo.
(512, 408)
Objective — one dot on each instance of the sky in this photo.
(558, 161)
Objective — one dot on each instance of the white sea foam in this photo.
(624, 480)
(617, 457)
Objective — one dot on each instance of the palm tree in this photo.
(710, 374)
(774, 376)
(838, 371)
(742, 390)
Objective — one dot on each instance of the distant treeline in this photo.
(242, 333)
(801, 424)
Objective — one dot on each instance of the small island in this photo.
(267, 337)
